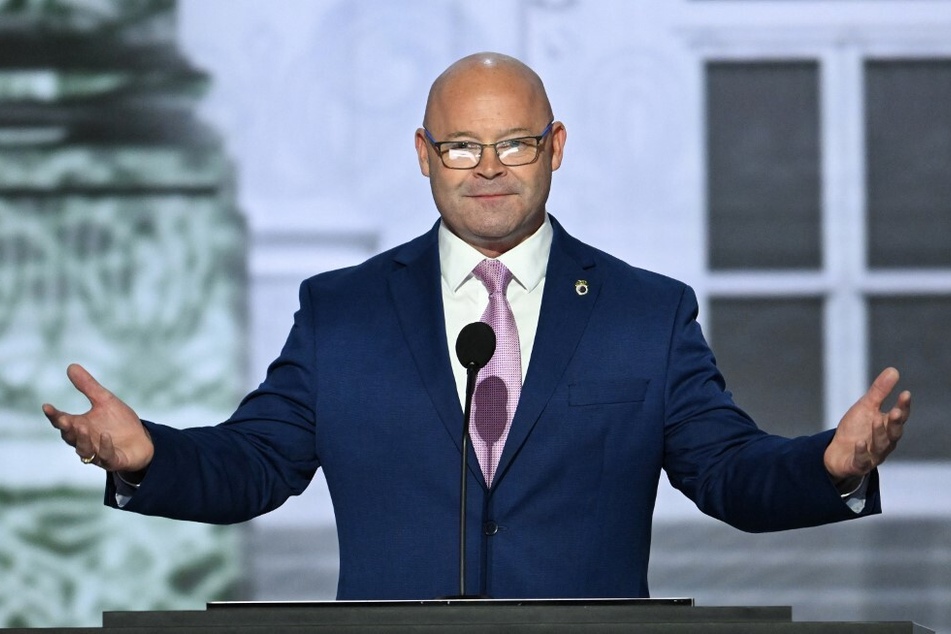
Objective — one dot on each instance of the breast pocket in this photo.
(631, 390)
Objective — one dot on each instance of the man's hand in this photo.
(866, 435)
(110, 435)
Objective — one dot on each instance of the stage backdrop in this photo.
(172, 171)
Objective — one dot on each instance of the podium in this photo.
(644, 616)
(647, 616)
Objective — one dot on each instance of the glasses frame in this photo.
(442, 157)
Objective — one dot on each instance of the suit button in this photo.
(490, 528)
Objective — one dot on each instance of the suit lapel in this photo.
(564, 316)
(416, 292)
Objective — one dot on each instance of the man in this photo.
(612, 379)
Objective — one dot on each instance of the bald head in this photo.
(488, 69)
(485, 100)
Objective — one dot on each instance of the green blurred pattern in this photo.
(120, 248)
(66, 558)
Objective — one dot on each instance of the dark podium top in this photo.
(645, 616)
(648, 616)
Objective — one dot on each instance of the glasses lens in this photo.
(463, 156)
(517, 151)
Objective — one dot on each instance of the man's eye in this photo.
(461, 146)
(512, 145)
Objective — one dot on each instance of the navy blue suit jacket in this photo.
(621, 384)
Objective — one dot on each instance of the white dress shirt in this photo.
(464, 297)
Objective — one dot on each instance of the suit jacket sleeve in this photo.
(732, 470)
(253, 462)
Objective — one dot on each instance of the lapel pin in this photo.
(581, 287)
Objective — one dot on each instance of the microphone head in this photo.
(475, 345)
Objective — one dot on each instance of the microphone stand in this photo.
(474, 347)
(472, 371)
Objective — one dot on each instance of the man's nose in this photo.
(490, 166)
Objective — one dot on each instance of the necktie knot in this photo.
(493, 274)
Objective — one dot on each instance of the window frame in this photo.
(844, 280)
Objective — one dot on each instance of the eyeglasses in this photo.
(466, 155)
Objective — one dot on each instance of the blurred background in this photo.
(170, 172)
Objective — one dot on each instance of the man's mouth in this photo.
(489, 194)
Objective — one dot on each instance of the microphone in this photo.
(474, 347)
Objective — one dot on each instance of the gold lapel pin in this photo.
(581, 287)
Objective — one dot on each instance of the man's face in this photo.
(493, 207)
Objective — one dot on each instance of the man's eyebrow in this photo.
(510, 133)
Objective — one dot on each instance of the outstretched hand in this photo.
(866, 435)
(110, 435)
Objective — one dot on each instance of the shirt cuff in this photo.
(124, 489)
(855, 499)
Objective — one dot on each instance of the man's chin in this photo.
(498, 241)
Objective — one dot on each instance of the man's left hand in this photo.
(866, 435)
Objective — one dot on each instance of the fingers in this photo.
(890, 429)
(862, 459)
(86, 449)
(109, 435)
(100, 452)
(54, 416)
(885, 434)
(881, 387)
(894, 423)
(884, 439)
(107, 458)
(74, 430)
(85, 383)
(866, 435)
(902, 410)
(61, 421)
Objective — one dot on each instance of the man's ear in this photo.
(558, 137)
(422, 152)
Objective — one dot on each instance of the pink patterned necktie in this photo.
(499, 383)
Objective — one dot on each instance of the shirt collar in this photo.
(527, 261)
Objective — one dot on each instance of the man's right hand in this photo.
(110, 435)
